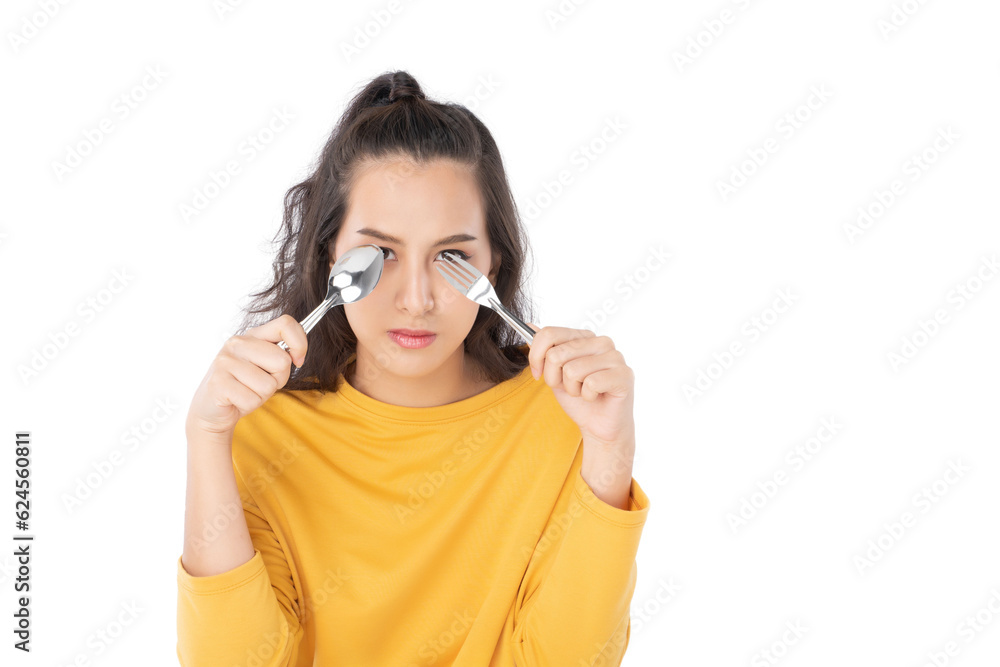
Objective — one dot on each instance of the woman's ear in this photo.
(494, 269)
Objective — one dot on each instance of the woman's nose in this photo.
(418, 288)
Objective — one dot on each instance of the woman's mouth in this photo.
(412, 340)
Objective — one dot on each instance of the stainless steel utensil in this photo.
(352, 277)
(470, 281)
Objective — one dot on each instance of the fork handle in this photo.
(526, 332)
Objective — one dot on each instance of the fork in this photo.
(470, 282)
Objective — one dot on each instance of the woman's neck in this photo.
(422, 391)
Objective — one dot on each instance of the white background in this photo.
(707, 593)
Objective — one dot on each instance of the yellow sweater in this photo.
(460, 534)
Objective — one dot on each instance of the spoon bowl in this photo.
(352, 277)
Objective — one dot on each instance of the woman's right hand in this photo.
(246, 372)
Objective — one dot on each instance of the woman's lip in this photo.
(411, 342)
(412, 332)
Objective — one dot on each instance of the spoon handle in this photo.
(315, 316)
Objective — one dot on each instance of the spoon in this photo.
(352, 277)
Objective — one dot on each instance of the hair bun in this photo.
(402, 90)
(393, 86)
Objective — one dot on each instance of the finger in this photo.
(559, 355)
(260, 353)
(575, 371)
(258, 380)
(249, 387)
(546, 338)
(615, 382)
(284, 328)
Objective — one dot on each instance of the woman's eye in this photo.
(457, 252)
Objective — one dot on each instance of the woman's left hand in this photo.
(590, 380)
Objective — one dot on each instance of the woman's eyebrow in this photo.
(382, 236)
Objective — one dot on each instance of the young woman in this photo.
(456, 497)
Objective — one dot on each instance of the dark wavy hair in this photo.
(390, 118)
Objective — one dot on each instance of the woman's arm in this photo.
(216, 538)
(572, 607)
(237, 602)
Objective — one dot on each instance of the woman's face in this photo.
(419, 206)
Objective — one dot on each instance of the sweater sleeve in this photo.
(247, 615)
(572, 606)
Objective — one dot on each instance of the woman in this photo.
(455, 497)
